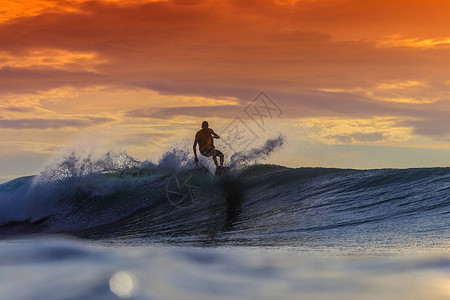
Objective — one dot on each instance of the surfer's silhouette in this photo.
(204, 139)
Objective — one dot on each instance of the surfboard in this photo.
(221, 171)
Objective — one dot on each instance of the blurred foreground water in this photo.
(62, 268)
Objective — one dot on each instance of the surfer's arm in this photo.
(195, 148)
(215, 135)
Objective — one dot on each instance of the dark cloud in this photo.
(28, 123)
(223, 111)
(22, 80)
(368, 137)
(437, 125)
(197, 88)
(358, 137)
(18, 109)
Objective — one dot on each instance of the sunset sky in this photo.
(358, 83)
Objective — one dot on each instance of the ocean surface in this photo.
(114, 227)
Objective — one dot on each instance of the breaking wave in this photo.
(117, 196)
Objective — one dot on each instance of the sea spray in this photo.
(76, 165)
(257, 155)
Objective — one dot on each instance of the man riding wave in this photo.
(204, 139)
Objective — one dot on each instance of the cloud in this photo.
(18, 109)
(52, 59)
(358, 137)
(223, 111)
(12, 80)
(13, 147)
(436, 125)
(409, 92)
(23, 8)
(396, 41)
(42, 124)
(330, 130)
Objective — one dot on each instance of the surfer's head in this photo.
(205, 125)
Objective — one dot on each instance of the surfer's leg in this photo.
(214, 155)
(221, 156)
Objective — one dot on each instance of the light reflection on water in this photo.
(123, 284)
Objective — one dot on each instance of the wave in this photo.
(114, 185)
(118, 196)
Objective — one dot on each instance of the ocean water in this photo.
(113, 227)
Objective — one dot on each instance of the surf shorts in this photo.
(209, 152)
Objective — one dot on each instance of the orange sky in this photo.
(353, 73)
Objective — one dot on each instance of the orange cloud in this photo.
(52, 59)
(396, 41)
(14, 9)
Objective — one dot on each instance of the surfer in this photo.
(204, 139)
